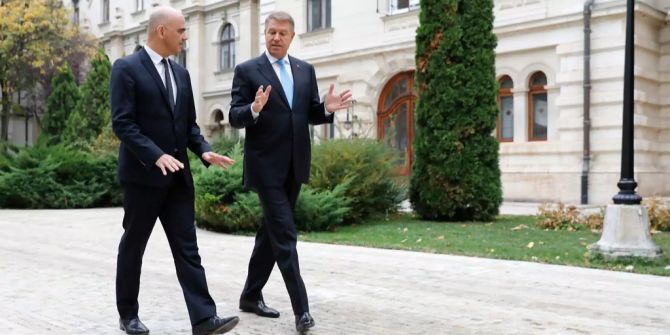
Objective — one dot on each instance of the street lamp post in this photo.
(351, 118)
(626, 226)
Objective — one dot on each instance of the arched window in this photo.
(505, 124)
(218, 117)
(537, 107)
(227, 44)
(395, 118)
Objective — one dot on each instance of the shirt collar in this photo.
(155, 57)
(273, 60)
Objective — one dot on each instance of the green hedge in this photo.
(58, 177)
(223, 204)
(367, 165)
(350, 180)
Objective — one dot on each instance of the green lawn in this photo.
(509, 237)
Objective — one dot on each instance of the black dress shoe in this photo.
(303, 322)
(259, 307)
(215, 325)
(133, 326)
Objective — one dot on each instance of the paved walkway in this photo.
(57, 277)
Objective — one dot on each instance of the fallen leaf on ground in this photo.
(519, 227)
(530, 245)
(441, 237)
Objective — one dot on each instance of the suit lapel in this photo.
(298, 76)
(151, 68)
(266, 69)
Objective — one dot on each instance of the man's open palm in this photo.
(336, 102)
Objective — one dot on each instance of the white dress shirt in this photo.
(156, 59)
(275, 66)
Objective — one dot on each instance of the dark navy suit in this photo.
(277, 154)
(148, 127)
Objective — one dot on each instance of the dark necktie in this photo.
(168, 83)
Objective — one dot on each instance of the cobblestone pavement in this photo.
(57, 276)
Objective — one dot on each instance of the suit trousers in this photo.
(276, 242)
(174, 206)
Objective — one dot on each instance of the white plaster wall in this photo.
(366, 47)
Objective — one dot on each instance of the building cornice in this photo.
(607, 9)
(352, 54)
(197, 9)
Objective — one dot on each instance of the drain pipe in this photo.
(586, 155)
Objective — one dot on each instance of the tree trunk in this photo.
(4, 116)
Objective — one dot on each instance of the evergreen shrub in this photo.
(455, 173)
(366, 166)
(59, 177)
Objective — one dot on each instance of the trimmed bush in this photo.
(321, 210)
(223, 204)
(225, 145)
(243, 213)
(366, 166)
(59, 177)
(456, 174)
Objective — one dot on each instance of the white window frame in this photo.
(106, 15)
(393, 6)
(325, 20)
(231, 44)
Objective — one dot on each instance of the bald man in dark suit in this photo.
(153, 115)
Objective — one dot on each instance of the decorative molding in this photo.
(317, 32)
(138, 13)
(316, 42)
(502, 5)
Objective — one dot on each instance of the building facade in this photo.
(368, 46)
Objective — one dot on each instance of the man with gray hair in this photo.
(275, 97)
(153, 115)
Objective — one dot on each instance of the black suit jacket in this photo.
(145, 124)
(278, 141)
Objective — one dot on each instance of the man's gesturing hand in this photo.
(216, 159)
(261, 98)
(336, 102)
(170, 163)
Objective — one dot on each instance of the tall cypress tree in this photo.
(456, 175)
(61, 103)
(92, 113)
